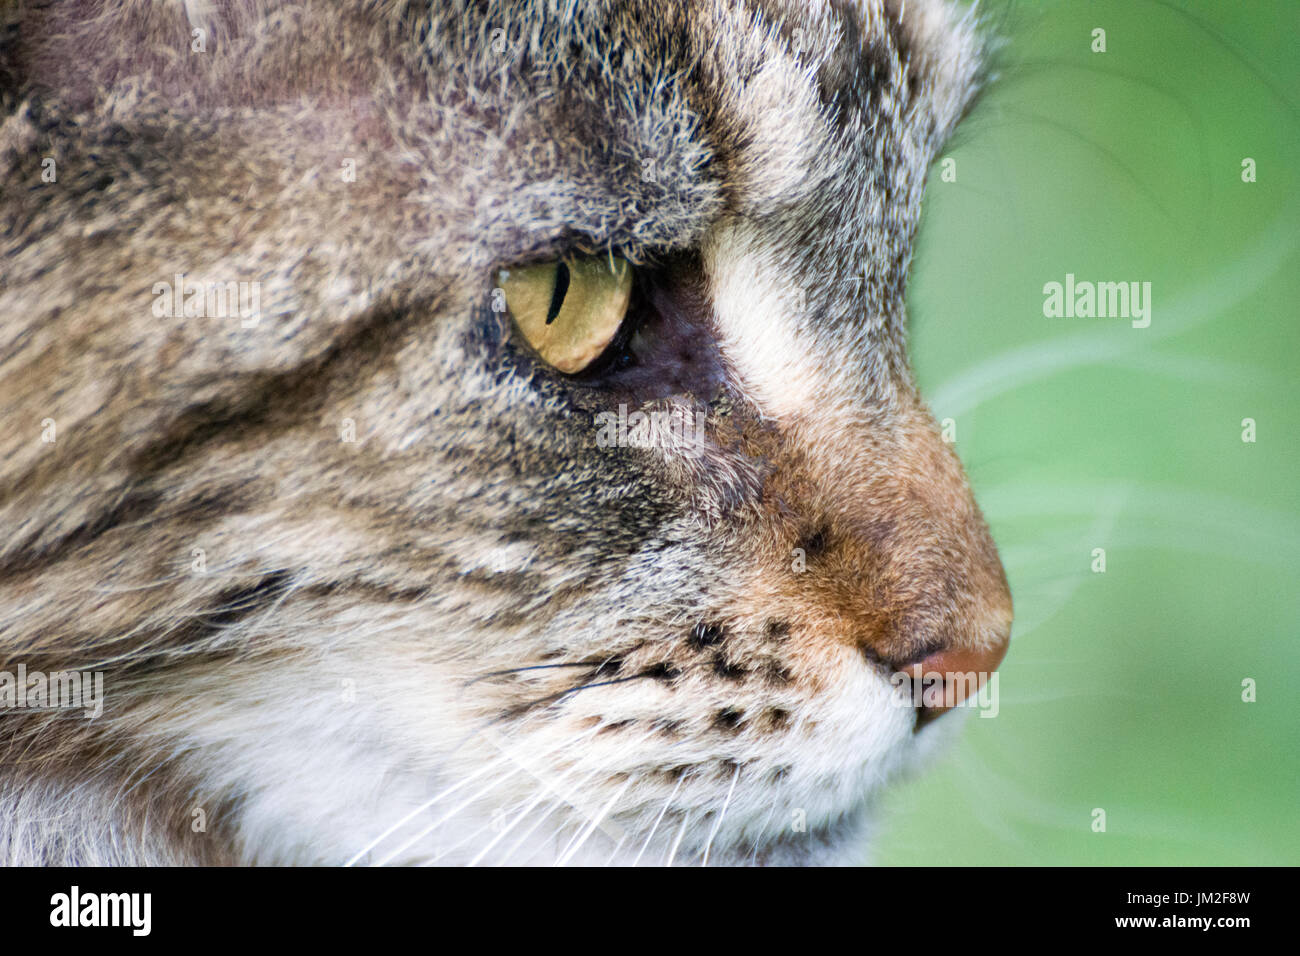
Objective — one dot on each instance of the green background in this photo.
(1123, 690)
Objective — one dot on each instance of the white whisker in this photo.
(421, 808)
(663, 810)
(505, 758)
(681, 831)
(544, 790)
(555, 805)
(447, 816)
(577, 843)
(541, 795)
(721, 813)
(618, 846)
(758, 838)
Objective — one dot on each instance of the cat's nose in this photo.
(947, 678)
(896, 557)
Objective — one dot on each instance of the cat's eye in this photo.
(569, 310)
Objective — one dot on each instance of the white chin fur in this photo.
(413, 787)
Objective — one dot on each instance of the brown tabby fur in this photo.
(304, 637)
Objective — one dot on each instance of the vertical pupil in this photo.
(557, 295)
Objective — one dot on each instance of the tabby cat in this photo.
(472, 432)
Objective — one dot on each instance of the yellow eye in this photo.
(569, 310)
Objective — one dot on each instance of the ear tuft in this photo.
(947, 56)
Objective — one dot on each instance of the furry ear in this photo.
(946, 59)
(13, 55)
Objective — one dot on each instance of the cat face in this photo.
(642, 597)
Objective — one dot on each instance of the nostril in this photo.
(951, 676)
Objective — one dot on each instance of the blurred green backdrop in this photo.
(1123, 689)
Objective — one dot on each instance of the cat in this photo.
(308, 316)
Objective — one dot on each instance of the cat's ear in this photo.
(12, 74)
(947, 59)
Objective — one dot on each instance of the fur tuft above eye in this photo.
(569, 310)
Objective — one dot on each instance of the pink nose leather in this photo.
(962, 671)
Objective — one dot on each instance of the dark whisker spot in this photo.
(725, 669)
(608, 667)
(776, 718)
(671, 728)
(776, 629)
(778, 674)
(728, 719)
(662, 671)
(707, 635)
